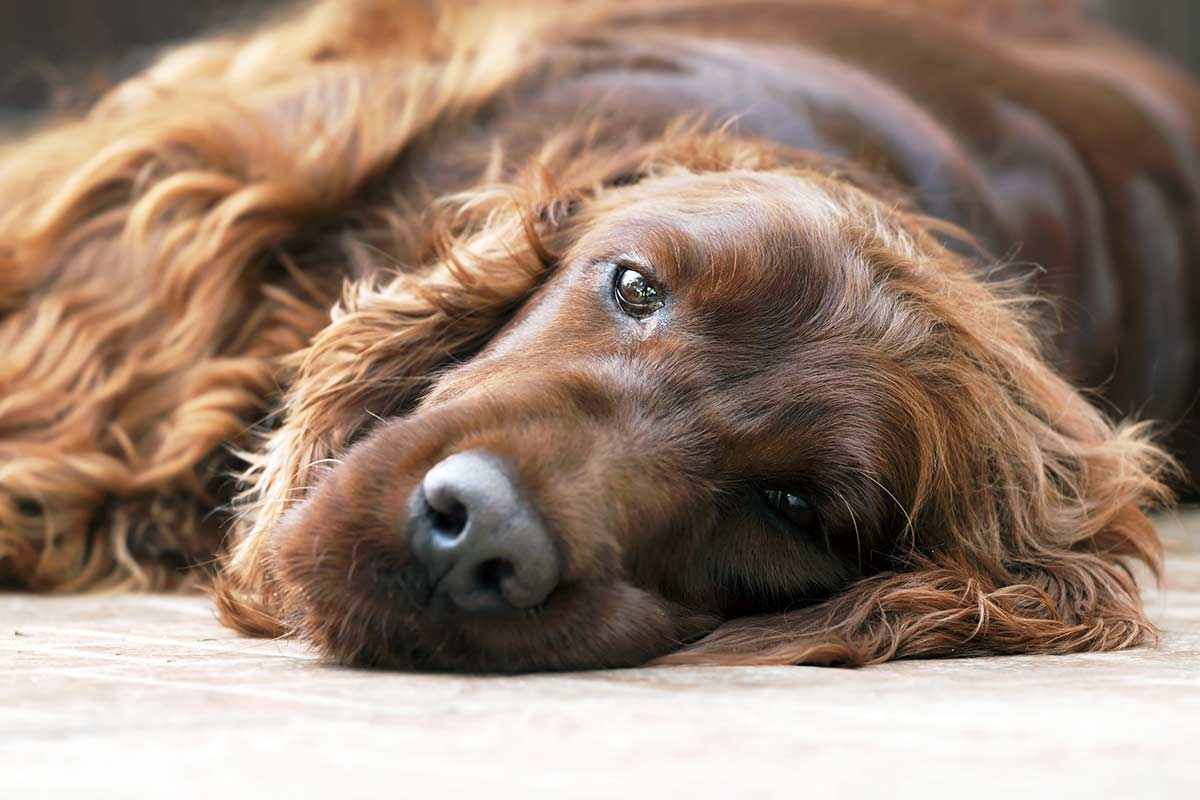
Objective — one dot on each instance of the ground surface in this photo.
(148, 696)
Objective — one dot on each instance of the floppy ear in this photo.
(1074, 602)
(146, 288)
(1025, 508)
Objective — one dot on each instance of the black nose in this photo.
(482, 545)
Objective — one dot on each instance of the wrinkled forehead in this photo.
(716, 229)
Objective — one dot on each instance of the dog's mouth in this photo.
(455, 566)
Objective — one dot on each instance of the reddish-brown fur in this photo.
(330, 253)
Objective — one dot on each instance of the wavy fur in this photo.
(218, 271)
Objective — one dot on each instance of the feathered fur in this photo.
(218, 286)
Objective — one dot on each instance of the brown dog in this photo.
(696, 331)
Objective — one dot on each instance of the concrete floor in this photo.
(148, 696)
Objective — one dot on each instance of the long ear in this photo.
(146, 291)
(1075, 602)
(1024, 510)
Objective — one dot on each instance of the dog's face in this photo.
(698, 417)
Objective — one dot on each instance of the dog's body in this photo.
(778, 190)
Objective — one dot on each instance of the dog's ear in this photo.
(157, 258)
(1023, 508)
(1072, 602)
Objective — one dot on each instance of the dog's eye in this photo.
(635, 294)
(797, 509)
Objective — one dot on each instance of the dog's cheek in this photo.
(304, 568)
(337, 564)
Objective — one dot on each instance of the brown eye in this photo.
(796, 509)
(635, 294)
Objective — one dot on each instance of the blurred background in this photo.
(59, 54)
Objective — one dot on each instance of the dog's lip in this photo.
(445, 608)
(399, 583)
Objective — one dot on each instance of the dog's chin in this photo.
(559, 636)
(345, 580)
(384, 614)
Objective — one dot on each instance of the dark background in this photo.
(61, 53)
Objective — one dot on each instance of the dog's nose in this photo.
(482, 545)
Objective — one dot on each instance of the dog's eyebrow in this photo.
(657, 241)
(742, 221)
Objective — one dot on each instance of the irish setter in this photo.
(500, 337)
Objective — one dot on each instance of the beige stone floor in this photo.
(148, 696)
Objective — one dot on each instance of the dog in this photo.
(548, 336)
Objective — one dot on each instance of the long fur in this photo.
(174, 313)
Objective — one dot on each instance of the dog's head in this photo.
(724, 413)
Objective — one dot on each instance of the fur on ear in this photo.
(1078, 602)
(147, 292)
(1023, 511)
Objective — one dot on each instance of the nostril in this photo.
(481, 587)
(450, 522)
(491, 574)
